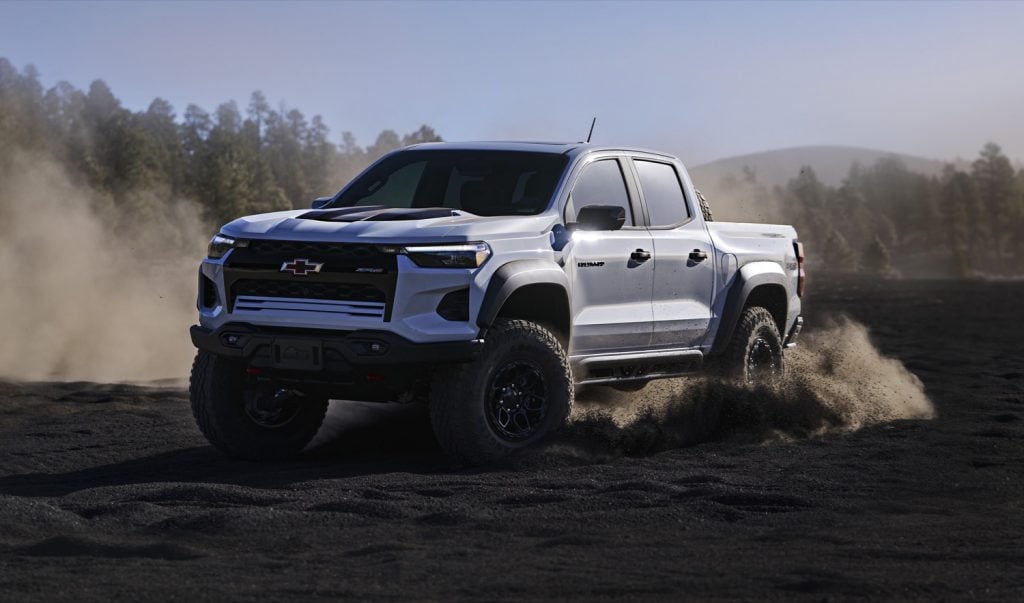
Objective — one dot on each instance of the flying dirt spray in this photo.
(836, 380)
(90, 292)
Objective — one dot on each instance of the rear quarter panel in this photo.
(753, 253)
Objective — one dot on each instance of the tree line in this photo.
(235, 162)
(962, 222)
(231, 161)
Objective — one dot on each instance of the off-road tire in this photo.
(460, 397)
(755, 328)
(217, 389)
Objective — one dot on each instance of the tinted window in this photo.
(602, 184)
(486, 183)
(662, 192)
(400, 187)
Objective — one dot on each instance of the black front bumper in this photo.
(323, 350)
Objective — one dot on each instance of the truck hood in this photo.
(384, 225)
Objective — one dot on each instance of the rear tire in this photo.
(755, 354)
(226, 406)
(515, 394)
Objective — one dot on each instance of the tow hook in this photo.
(278, 400)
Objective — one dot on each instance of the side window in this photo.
(602, 184)
(663, 193)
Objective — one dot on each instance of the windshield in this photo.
(485, 183)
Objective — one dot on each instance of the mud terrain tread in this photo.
(216, 381)
(456, 409)
(753, 319)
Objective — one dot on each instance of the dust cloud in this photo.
(836, 381)
(87, 293)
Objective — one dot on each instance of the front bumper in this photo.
(325, 350)
(408, 308)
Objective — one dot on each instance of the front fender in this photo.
(513, 276)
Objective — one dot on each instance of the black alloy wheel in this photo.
(762, 364)
(517, 401)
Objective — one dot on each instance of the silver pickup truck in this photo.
(488, 280)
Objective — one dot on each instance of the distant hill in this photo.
(830, 163)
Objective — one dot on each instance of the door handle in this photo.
(698, 256)
(640, 255)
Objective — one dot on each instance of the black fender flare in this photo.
(515, 275)
(736, 300)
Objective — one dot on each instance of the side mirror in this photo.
(601, 217)
(320, 202)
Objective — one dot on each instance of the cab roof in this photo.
(560, 148)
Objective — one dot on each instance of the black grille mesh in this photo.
(299, 248)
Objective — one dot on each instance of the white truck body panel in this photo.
(670, 302)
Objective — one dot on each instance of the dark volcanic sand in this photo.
(110, 491)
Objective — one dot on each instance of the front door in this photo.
(612, 280)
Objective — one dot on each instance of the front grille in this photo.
(355, 292)
(257, 305)
(267, 254)
(351, 250)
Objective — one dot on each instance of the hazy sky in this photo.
(701, 80)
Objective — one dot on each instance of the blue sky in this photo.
(701, 80)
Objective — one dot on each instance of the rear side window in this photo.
(663, 193)
(602, 184)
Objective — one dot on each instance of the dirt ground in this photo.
(109, 491)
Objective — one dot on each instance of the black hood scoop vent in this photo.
(378, 213)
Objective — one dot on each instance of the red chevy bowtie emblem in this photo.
(301, 267)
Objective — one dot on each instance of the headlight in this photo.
(221, 244)
(464, 255)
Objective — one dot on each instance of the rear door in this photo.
(611, 290)
(684, 272)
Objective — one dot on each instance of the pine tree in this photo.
(424, 134)
(387, 141)
(996, 184)
(875, 257)
(838, 254)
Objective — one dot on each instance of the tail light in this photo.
(801, 278)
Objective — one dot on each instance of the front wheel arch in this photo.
(533, 290)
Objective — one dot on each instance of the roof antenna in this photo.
(591, 133)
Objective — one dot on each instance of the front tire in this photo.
(515, 394)
(755, 354)
(246, 420)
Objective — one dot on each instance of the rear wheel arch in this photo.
(771, 297)
(755, 285)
